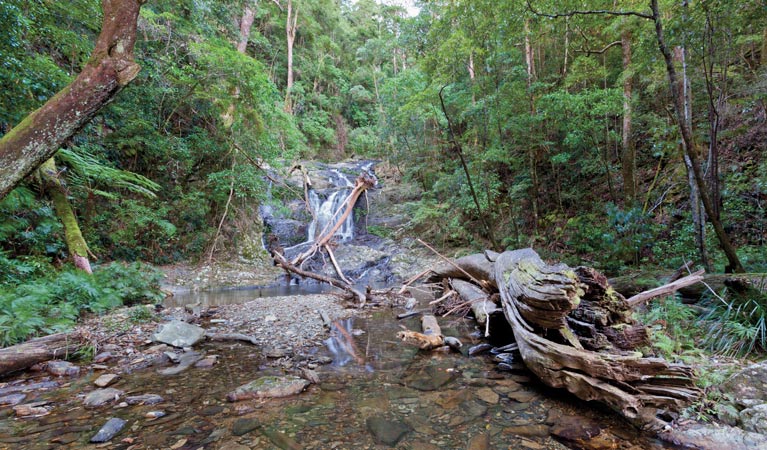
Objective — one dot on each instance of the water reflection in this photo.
(233, 296)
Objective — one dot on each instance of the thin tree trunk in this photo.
(628, 157)
(73, 236)
(111, 66)
(531, 153)
(290, 32)
(248, 15)
(689, 147)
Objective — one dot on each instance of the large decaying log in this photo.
(741, 283)
(575, 332)
(21, 356)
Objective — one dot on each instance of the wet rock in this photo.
(479, 349)
(479, 442)
(522, 396)
(155, 414)
(185, 361)
(109, 430)
(144, 399)
(575, 429)
(101, 397)
(102, 357)
(36, 409)
(61, 368)
(487, 395)
(755, 419)
(281, 440)
(207, 362)
(106, 380)
(431, 378)
(212, 410)
(387, 432)
(470, 410)
(244, 426)
(710, 437)
(269, 387)
(12, 399)
(453, 343)
(530, 430)
(179, 334)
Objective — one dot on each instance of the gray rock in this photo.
(728, 414)
(101, 397)
(102, 357)
(144, 399)
(179, 334)
(710, 437)
(244, 426)
(387, 432)
(62, 368)
(755, 418)
(749, 386)
(430, 378)
(109, 430)
(269, 387)
(185, 361)
(106, 379)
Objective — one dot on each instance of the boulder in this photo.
(755, 418)
(269, 387)
(749, 386)
(179, 334)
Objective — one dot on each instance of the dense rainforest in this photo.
(628, 136)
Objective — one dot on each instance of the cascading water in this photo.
(326, 213)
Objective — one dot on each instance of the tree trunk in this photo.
(745, 283)
(628, 157)
(532, 156)
(57, 190)
(21, 356)
(290, 32)
(574, 332)
(248, 15)
(690, 146)
(30, 143)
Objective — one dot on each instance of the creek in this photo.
(391, 393)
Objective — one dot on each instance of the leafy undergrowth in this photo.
(35, 301)
(717, 339)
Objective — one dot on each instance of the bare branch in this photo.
(588, 13)
(599, 52)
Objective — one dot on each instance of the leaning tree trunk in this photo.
(78, 248)
(21, 356)
(111, 66)
(574, 332)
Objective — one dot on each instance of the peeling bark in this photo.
(111, 66)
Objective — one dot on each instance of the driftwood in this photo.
(574, 332)
(21, 356)
(429, 339)
(280, 261)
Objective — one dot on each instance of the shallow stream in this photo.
(388, 393)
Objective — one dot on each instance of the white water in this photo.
(326, 213)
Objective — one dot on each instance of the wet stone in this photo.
(206, 363)
(479, 442)
(487, 395)
(531, 430)
(155, 414)
(479, 349)
(573, 428)
(32, 409)
(106, 380)
(269, 387)
(430, 378)
(212, 410)
(179, 334)
(387, 432)
(101, 397)
(109, 430)
(185, 361)
(62, 368)
(144, 399)
(102, 357)
(244, 426)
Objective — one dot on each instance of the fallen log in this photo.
(429, 339)
(741, 283)
(575, 332)
(280, 261)
(37, 350)
(666, 289)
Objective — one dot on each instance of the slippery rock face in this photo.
(269, 387)
(179, 334)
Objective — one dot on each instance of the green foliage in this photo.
(736, 324)
(53, 302)
(672, 328)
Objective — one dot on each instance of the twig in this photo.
(413, 280)
(223, 216)
(448, 294)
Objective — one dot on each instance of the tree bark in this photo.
(690, 146)
(110, 68)
(290, 32)
(78, 248)
(532, 156)
(21, 356)
(628, 157)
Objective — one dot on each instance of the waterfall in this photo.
(326, 213)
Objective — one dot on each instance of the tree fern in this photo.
(88, 170)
